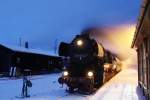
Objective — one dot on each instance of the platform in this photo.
(45, 87)
(122, 87)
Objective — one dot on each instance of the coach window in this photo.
(144, 64)
(146, 60)
(139, 69)
(141, 64)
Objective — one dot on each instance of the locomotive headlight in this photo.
(79, 42)
(90, 74)
(65, 73)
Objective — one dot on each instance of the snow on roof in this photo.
(30, 50)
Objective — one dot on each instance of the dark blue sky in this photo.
(41, 22)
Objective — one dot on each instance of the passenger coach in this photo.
(141, 43)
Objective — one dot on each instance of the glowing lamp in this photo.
(90, 74)
(65, 73)
(79, 42)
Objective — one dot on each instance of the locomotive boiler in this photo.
(89, 64)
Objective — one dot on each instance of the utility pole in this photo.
(55, 45)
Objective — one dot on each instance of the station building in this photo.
(15, 61)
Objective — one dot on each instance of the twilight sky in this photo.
(41, 22)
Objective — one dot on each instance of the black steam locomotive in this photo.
(89, 64)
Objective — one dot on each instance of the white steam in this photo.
(118, 39)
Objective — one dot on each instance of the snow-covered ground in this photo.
(45, 87)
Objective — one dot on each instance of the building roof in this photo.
(144, 8)
(30, 50)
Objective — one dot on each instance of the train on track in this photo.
(89, 65)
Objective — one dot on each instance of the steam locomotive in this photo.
(89, 64)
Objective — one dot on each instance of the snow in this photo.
(122, 87)
(29, 50)
(45, 87)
